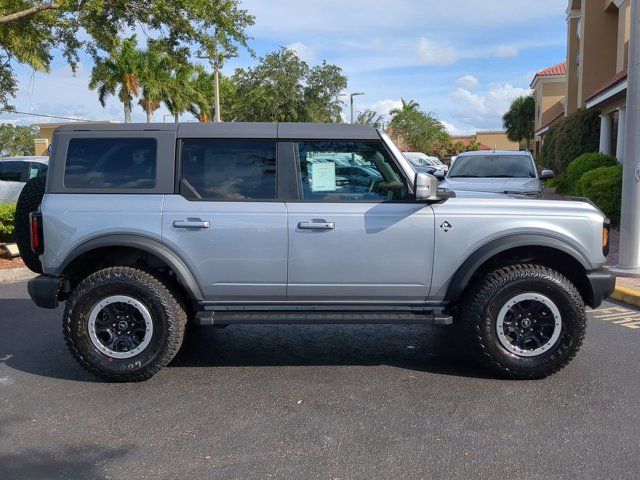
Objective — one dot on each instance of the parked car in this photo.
(425, 163)
(223, 224)
(507, 172)
(16, 171)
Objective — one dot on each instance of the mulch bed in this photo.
(6, 264)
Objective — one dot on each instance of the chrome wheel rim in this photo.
(529, 324)
(120, 326)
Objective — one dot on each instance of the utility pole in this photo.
(629, 262)
(216, 60)
(351, 95)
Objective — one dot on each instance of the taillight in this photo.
(35, 228)
(606, 234)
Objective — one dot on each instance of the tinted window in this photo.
(348, 171)
(111, 163)
(229, 169)
(493, 166)
(12, 171)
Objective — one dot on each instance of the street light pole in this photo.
(629, 262)
(351, 95)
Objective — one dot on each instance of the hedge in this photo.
(603, 186)
(583, 164)
(7, 221)
(565, 141)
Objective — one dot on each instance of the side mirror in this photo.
(547, 175)
(426, 187)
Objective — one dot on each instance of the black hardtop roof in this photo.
(306, 131)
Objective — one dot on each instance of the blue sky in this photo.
(463, 60)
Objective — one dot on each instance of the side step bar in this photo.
(320, 318)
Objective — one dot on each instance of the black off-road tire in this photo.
(29, 201)
(167, 313)
(483, 302)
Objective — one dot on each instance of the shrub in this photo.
(579, 133)
(603, 186)
(7, 221)
(583, 164)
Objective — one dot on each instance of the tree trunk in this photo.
(149, 115)
(127, 113)
(176, 117)
(216, 76)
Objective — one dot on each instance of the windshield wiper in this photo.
(464, 176)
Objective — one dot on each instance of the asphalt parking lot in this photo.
(309, 402)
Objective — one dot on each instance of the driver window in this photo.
(348, 171)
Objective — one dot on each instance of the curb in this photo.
(626, 295)
(16, 275)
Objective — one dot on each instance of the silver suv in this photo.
(145, 229)
(498, 171)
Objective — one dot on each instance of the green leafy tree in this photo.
(154, 78)
(32, 31)
(418, 130)
(370, 119)
(282, 88)
(519, 120)
(181, 94)
(119, 75)
(204, 98)
(17, 140)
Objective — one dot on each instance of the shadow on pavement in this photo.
(32, 342)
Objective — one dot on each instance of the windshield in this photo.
(493, 166)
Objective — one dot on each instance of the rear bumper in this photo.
(45, 290)
(602, 283)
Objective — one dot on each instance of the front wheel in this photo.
(524, 321)
(123, 324)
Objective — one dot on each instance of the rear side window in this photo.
(12, 171)
(228, 169)
(123, 163)
(37, 170)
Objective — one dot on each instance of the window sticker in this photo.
(323, 177)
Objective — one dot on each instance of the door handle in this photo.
(194, 223)
(322, 225)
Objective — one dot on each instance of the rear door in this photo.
(226, 220)
(356, 235)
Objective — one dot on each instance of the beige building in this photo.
(548, 87)
(595, 71)
(488, 140)
(43, 141)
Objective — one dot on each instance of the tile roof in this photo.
(560, 69)
(614, 82)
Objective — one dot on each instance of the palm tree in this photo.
(370, 119)
(204, 98)
(180, 93)
(154, 79)
(410, 106)
(118, 75)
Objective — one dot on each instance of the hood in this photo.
(495, 185)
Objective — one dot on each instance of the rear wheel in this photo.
(524, 321)
(28, 202)
(123, 324)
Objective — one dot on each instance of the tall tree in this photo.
(180, 94)
(418, 130)
(154, 78)
(370, 119)
(282, 88)
(204, 99)
(519, 120)
(31, 31)
(17, 140)
(119, 74)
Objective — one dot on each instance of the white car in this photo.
(16, 171)
(423, 161)
(503, 172)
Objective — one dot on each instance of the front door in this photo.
(227, 223)
(355, 234)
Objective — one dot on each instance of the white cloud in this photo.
(484, 110)
(468, 82)
(304, 52)
(435, 54)
(381, 107)
(507, 51)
